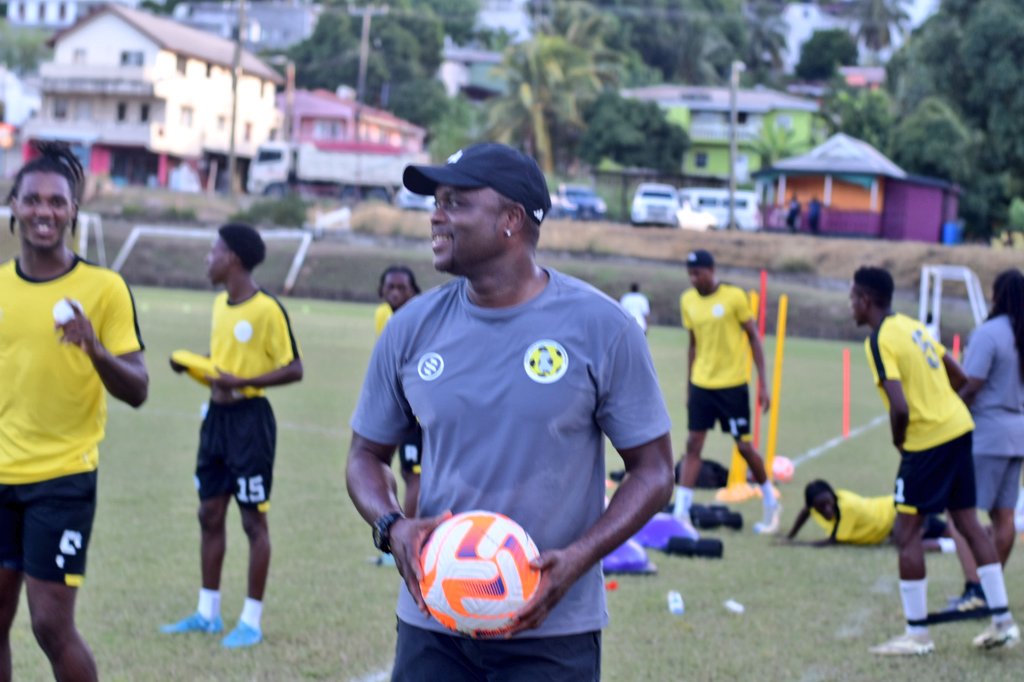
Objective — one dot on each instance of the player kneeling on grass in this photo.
(68, 336)
(932, 430)
(851, 519)
(252, 348)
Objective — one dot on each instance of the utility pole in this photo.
(735, 70)
(236, 75)
(367, 14)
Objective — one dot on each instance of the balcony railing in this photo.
(719, 132)
(96, 79)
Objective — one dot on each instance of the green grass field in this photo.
(810, 613)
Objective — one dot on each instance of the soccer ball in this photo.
(476, 572)
(782, 469)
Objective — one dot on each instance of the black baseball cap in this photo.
(507, 171)
(700, 258)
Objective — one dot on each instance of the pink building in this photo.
(331, 121)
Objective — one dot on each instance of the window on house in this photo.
(144, 113)
(78, 56)
(182, 64)
(784, 121)
(326, 130)
(62, 11)
(60, 108)
(701, 160)
(247, 135)
(122, 112)
(131, 58)
(186, 116)
(741, 117)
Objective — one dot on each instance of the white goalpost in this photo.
(303, 237)
(932, 277)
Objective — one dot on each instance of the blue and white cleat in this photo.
(194, 623)
(243, 636)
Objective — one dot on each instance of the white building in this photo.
(19, 98)
(139, 96)
(511, 16)
(269, 25)
(55, 13)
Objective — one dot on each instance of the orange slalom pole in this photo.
(773, 412)
(956, 347)
(846, 393)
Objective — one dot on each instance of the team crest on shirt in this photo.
(717, 310)
(545, 361)
(430, 366)
(243, 331)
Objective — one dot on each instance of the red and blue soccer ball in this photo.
(477, 574)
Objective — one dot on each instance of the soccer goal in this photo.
(139, 231)
(89, 225)
(932, 278)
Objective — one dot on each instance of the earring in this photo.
(508, 233)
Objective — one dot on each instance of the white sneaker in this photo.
(905, 645)
(770, 524)
(998, 634)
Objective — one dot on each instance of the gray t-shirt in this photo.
(998, 408)
(514, 404)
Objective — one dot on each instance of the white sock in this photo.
(684, 498)
(947, 545)
(914, 594)
(768, 495)
(991, 577)
(252, 610)
(209, 603)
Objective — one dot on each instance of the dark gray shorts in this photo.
(997, 480)
(427, 656)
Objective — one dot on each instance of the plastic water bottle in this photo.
(675, 603)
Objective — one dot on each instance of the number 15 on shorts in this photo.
(250, 490)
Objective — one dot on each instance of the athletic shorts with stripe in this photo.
(933, 480)
(236, 452)
(730, 407)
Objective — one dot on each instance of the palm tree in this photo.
(878, 20)
(549, 81)
(766, 38)
(774, 143)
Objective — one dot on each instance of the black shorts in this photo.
(236, 452)
(934, 527)
(730, 407)
(933, 480)
(427, 656)
(410, 451)
(45, 527)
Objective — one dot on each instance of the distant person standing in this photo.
(69, 335)
(722, 333)
(793, 214)
(397, 286)
(637, 305)
(932, 430)
(995, 394)
(814, 215)
(252, 348)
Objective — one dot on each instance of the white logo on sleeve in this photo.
(454, 158)
(718, 310)
(243, 331)
(430, 366)
(545, 361)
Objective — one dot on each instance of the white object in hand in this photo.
(63, 312)
(734, 606)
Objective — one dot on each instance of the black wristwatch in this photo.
(382, 531)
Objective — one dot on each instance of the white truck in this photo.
(345, 170)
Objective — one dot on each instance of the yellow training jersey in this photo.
(716, 321)
(251, 338)
(862, 520)
(380, 317)
(53, 405)
(901, 349)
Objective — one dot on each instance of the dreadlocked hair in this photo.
(1008, 299)
(54, 157)
(815, 488)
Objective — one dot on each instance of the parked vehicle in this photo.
(690, 218)
(579, 202)
(655, 204)
(715, 201)
(349, 170)
(410, 201)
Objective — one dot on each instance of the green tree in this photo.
(864, 114)
(824, 53)
(632, 133)
(422, 101)
(321, 58)
(461, 124)
(774, 143)
(878, 20)
(764, 40)
(457, 16)
(22, 49)
(932, 141)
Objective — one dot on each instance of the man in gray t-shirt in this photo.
(516, 374)
(995, 393)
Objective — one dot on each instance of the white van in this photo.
(715, 200)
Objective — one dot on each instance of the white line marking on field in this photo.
(820, 450)
(378, 676)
